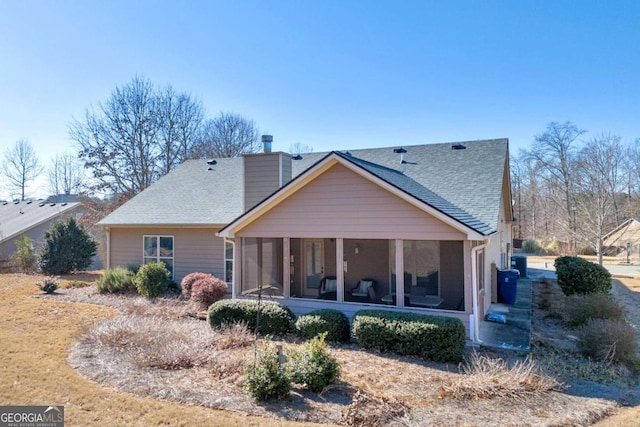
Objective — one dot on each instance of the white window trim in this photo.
(158, 257)
(227, 242)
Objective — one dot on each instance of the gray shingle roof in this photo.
(464, 184)
(17, 218)
(190, 195)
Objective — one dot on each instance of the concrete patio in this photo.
(516, 333)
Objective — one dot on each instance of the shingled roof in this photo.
(465, 184)
(21, 216)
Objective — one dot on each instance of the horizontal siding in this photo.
(261, 177)
(341, 203)
(195, 249)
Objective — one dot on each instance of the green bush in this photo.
(66, 247)
(313, 365)
(608, 339)
(274, 318)
(436, 338)
(581, 308)
(208, 290)
(152, 279)
(579, 276)
(25, 257)
(332, 322)
(114, 280)
(49, 284)
(189, 280)
(266, 378)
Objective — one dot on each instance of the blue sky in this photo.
(330, 74)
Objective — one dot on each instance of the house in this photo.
(625, 238)
(416, 228)
(32, 218)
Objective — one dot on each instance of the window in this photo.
(158, 249)
(228, 262)
(480, 268)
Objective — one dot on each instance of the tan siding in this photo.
(195, 249)
(341, 203)
(262, 176)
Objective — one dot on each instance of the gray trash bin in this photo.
(519, 263)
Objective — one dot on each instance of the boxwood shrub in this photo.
(579, 276)
(436, 338)
(333, 322)
(274, 317)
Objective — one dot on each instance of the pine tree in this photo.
(67, 247)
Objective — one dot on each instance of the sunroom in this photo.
(355, 271)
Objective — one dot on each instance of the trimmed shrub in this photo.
(266, 378)
(152, 279)
(607, 339)
(581, 308)
(189, 280)
(114, 280)
(331, 322)
(313, 365)
(49, 284)
(436, 338)
(274, 317)
(66, 247)
(208, 290)
(579, 276)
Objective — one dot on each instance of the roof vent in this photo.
(41, 204)
(52, 204)
(346, 153)
(64, 204)
(297, 157)
(458, 147)
(401, 151)
(266, 143)
(29, 202)
(15, 202)
(212, 162)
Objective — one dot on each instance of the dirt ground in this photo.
(184, 397)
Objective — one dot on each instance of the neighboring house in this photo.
(33, 218)
(420, 228)
(625, 237)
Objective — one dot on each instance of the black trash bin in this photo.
(507, 286)
(519, 262)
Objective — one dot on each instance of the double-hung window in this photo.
(158, 249)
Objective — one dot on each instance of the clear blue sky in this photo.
(330, 74)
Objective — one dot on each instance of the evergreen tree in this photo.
(67, 247)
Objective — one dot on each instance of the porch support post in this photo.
(399, 272)
(340, 269)
(237, 267)
(286, 268)
(469, 272)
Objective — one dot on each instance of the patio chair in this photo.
(364, 291)
(328, 288)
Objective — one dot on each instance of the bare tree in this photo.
(229, 135)
(181, 119)
(136, 136)
(555, 150)
(21, 165)
(299, 148)
(599, 183)
(66, 175)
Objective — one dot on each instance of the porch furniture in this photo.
(364, 291)
(428, 301)
(328, 288)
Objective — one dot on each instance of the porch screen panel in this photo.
(262, 266)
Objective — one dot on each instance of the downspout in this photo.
(108, 241)
(475, 290)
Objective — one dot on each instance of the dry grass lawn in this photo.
(36, 335)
